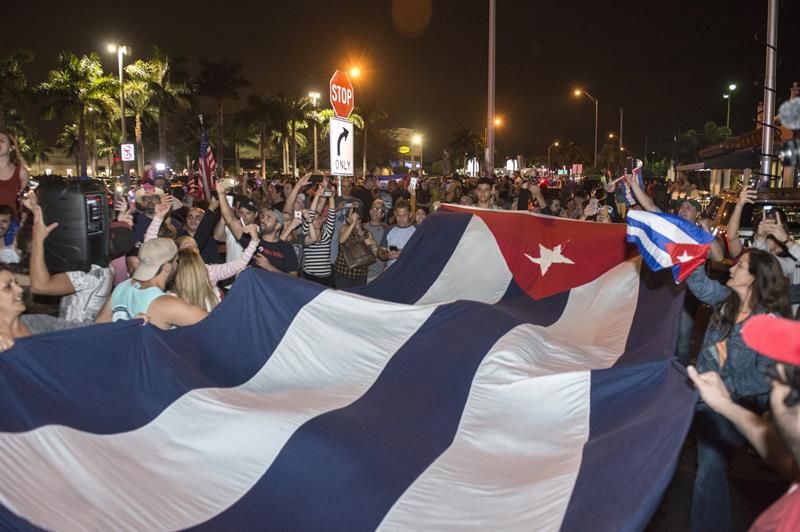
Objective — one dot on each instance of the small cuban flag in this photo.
(668, 241)
(626, 191)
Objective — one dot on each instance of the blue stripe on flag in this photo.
(345, 469)
(659, 302)
(641, 413)
(427, 254)
(118, 377)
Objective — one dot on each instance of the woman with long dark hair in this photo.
(756, 286)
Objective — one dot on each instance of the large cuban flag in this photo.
(509, 372)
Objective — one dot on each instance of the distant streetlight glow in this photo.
(729, 96)
(355, 72)
(416, 140)
(596, 102)
(498, 121)
(121, 50)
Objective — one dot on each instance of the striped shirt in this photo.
(317, 256)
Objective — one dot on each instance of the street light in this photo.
(498, 121)
(596, 102)
(548, 155)
(121, 50)
(416, 140)
(355, 72)
(729, 96)
(314, 95)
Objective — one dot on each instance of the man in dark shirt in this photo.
(273, 254)
(365, 195)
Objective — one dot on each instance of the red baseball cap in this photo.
(777, 338)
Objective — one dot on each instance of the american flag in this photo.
(206, 163)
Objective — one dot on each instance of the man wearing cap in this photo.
(232, 223)
(144, 294)
(778, 440)
(272, 253)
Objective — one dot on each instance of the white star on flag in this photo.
(685, 257)
(548, 257)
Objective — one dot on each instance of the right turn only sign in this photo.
(341, 147)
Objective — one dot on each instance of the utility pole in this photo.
(490, 107)
(768, 133)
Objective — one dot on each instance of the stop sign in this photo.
(342, 95)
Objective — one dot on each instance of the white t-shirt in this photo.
(233, 251)
(92, 289)
(398, 237)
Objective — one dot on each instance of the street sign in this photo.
(128, 152)
(342, 94)
(341, 135)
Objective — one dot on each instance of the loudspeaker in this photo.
(80, 206)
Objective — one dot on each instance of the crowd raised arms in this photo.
(175, 254)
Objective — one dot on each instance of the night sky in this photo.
(667, 62)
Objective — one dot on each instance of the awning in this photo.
(735, 160)
(691, 167)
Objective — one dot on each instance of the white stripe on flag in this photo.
(221, 440)
(526, 407)
(476, 270)
(660, 256)
(661, 225)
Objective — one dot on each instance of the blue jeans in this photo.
(717, 441)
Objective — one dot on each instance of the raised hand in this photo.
(163, 208)
(251, 230)
(40, 230)
(747, 195)
(711, 388)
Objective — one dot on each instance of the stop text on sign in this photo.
(341, 94)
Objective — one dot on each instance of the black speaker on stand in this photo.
(80, 206)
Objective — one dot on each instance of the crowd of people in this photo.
(176, 253)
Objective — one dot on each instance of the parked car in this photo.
(721, 207)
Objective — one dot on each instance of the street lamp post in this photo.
(490, 124)
(729, 96)
(314, 99)
(596, 102)
(123, 137)
(416, 140)
(548, 155)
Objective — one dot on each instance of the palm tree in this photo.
(240, 133)
(139, 100)
(171, 90)
(13, 84)
(466, 144)
(221, 80)
(37, 152)
(68, 141)
(298, 106)
(371, 118)
(74, 86)
(281, 116)
(260, 113)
